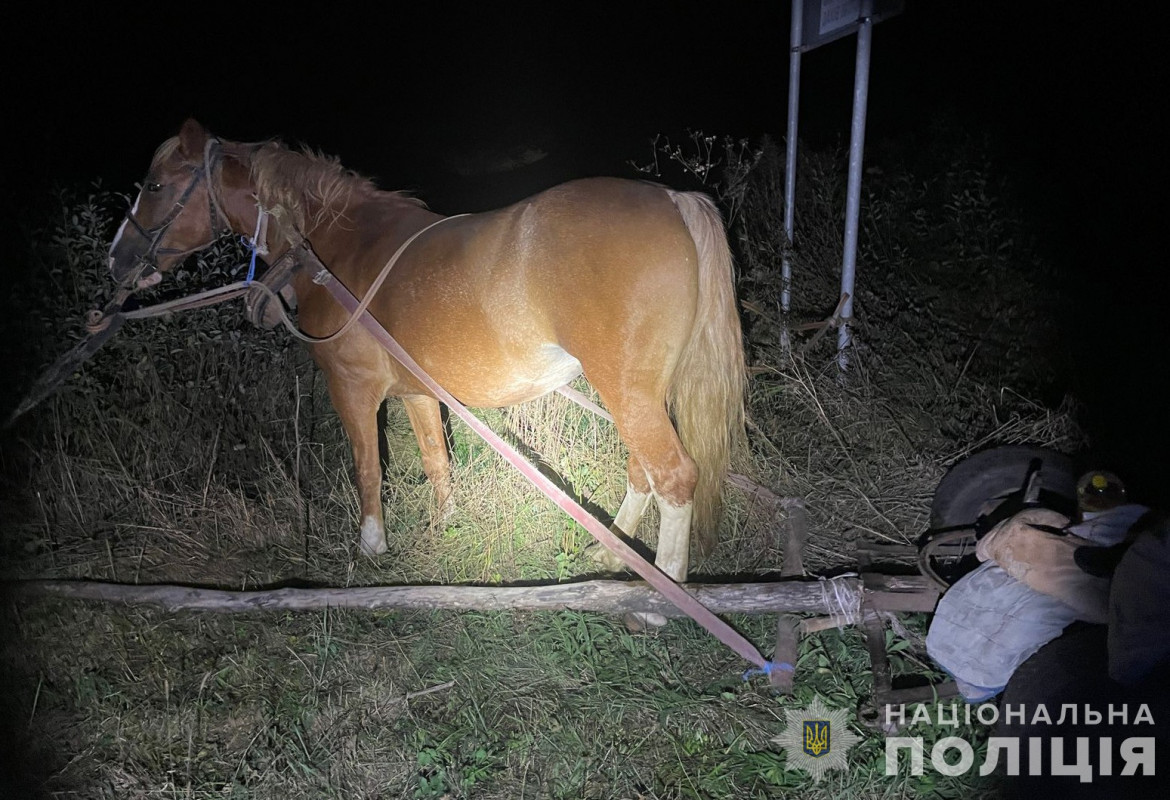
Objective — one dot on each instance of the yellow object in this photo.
(1099, 491)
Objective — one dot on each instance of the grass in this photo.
(316, 705)
(199, 450)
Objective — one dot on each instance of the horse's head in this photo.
(176, 213)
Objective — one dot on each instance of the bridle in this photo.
(148, 261)
(262, 292)
(272, 287)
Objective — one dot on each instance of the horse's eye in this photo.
(152, 187)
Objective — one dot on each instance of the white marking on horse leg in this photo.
(674, 539)
(631, 511)
(673, 556)
(626, 522)
(373, 541)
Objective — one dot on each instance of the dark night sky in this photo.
(1071, 93)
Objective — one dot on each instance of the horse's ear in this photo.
(192, 138)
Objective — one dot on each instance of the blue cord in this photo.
(252, 263)
(768, 668)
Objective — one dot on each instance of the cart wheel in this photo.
(982, 490)
(972, 488)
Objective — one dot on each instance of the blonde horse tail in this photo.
(706, 395)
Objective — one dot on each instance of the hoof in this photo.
(373, 538)
(643, 622)
(606, 559)
(372, 550)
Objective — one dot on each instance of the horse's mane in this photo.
(301, 187)
(307, 188)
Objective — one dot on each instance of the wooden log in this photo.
(611, 597)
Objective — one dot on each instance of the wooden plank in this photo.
(817, 624)
(875, 643)
(797, 528)
(902, 601)
(881, 582)
(787, 649)
(899, 592)
(611, 597)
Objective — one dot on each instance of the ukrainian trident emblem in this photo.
(816, 737)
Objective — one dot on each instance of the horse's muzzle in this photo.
(149, 280)
(140, 274)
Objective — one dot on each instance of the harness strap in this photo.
(580, 399)
(281, 271)
(212, 152)
(257, 303)
(323, 276)
(210, 297)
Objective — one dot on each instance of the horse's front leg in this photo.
(427, 421)
(358, 408)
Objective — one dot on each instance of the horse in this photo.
(627, 282)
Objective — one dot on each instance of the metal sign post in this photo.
(853, 190)
(829, 20)
(794, 41)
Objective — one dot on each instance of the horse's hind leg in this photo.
(669, 471)
(427, 421)
(358, 408)
(629, 515)
(671, 474)
(637, 498)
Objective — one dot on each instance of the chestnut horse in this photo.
(627, 282)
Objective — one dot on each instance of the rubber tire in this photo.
(967, 487)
